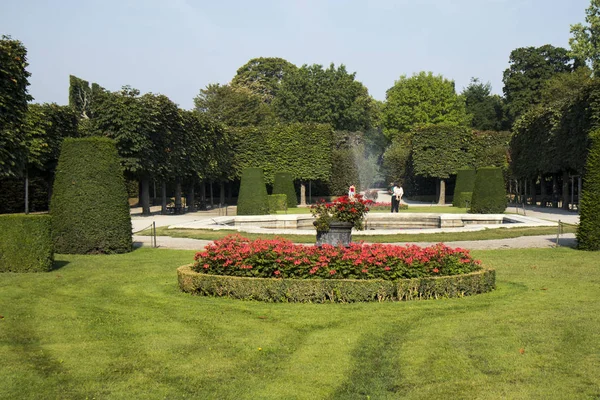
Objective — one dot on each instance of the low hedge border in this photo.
(26, 243)
(334, 290)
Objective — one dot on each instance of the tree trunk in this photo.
(302, 194)
(178, 208)
(191, 200)
(543, 193)
(221, 193)
(26, 192)
(145, 193)
(163, 197)
(533, 191)
(442, 198)
(566, 199)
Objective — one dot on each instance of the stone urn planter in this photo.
(340, 233)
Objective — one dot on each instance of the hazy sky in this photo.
(177, 47)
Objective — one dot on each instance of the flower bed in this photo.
(342, 209)
(279, 258)
(386, 206)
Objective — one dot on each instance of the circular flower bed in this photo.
(360, 272)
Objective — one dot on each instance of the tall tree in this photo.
(529, 69)
(13, 105)
(486, 109)
(585, 42)
(234, 106)
(263, 76)
(422, 99)
(331, 96)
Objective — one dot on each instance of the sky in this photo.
(177, 47)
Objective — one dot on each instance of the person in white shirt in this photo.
(397, 197)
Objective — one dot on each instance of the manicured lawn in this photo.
(496, 233)
(118, 327)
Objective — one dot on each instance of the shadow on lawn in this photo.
(59, 264)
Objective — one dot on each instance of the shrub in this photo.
(334, 290)
(253, 199)
(588, 231)
(284, 184)
(89, 202)
(344, 171)
(489, 193)
(25, 243)
(237, 256)
(463, 189)
(277, 202)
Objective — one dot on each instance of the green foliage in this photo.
(588, 232)
(334, 290)
(438, 103)
(263, 76)
(253, 198)
(463, 190)
(440, 149)
(284, 184)
(585, 42)
(302, 149)
(344, 172)
(486, 109)
(89, 202)
(490, 149)
(25, 243)
(330, 96)
(277, 202)
(13, 105)
(12, 195)
(397, 160)
(529, 68)
(489, 193)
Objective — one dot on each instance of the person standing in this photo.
(391, 191)
(352, 192)
(398, 193)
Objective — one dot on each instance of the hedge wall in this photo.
(334, 290)
(284, 184)
(253, 199)
(463, 189)
(89, 202)
(588, 231)
(489, 193)
(25, 243)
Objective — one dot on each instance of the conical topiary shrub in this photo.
(253, 198)
(489, 193)
(284, 184)
(463, 190)
(89, 208)
(588, 231)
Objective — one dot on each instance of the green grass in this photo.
(117, 327)
(487, 234)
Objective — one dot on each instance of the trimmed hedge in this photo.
(489, 193)
(334, 290)
(26, 243)
(284, 184)
(588, 231)
(253, 198)
(277, 202)
(89, 203)
(463, 190)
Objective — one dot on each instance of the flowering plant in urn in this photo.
(343, 209)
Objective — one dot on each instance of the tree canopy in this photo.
(585, 42)
(263, 76)
(486, 109)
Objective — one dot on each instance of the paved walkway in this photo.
(552, 214)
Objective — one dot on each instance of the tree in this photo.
(421, 99)
(330, 96)
(585, 42)
(487, 110)
(396, 159)
(588, 231)
(263, 76)
(13, 105)
(439, 150)
(529, 69)
(234, 106)
(489, 193)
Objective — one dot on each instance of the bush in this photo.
(344, 172)
(284, 184)
(237, 256)
(252, 199)
(588, 231)
(277, 202)
(489, 193)
(334, 290)
(25, 243)
(463, 189)
(89, 202)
